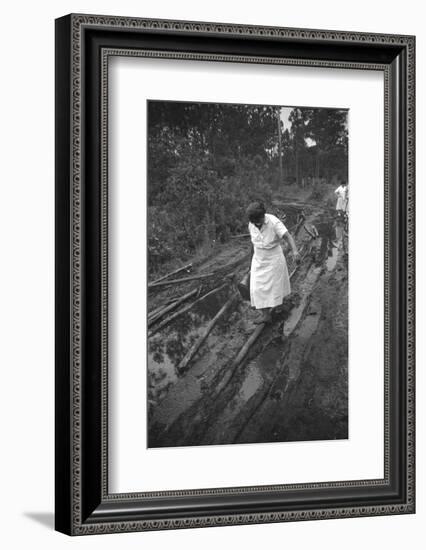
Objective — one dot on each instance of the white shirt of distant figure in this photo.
(342, 197)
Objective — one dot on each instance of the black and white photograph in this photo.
(209, 281)
(247, 264)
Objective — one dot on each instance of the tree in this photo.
(298, 119)
(205, 161)
(322, 131)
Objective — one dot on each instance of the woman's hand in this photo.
(291, 242)
(296, 256)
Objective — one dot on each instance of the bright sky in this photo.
(285, 113)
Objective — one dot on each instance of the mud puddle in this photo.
(167, 348)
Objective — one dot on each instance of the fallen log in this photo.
(235, 263)
(245, 349)
(312, 235)
(202, 275)
(183, 268)
(183, 280)
(293, 205)
(240, 357)
(300, 263)
(296, 314)
(191, 353)
(295, 228)
(154, 318)
(184, 310)
(154, 311)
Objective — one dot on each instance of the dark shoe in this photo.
(268, 318)
(259, 320)
(263, 319)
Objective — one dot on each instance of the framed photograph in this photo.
(234, 274)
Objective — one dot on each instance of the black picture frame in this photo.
(83, 504)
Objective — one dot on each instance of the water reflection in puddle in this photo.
(252, 382)
(332, 234)
(332, 258)
(167, 348)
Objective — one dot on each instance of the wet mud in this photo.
(292, 384)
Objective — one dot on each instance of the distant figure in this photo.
(269, 279)
(342, 198)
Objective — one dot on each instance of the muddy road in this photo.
(216, 377)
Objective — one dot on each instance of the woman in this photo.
(269, 280)
(342, 198)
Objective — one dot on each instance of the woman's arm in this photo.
(287, 235)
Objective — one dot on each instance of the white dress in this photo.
(269, 280)
(342, 202)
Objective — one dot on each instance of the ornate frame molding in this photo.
(78, 523)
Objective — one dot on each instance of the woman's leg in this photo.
(266, 315)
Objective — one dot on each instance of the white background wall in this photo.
(27, 263)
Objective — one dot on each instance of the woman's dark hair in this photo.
(255, 211)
